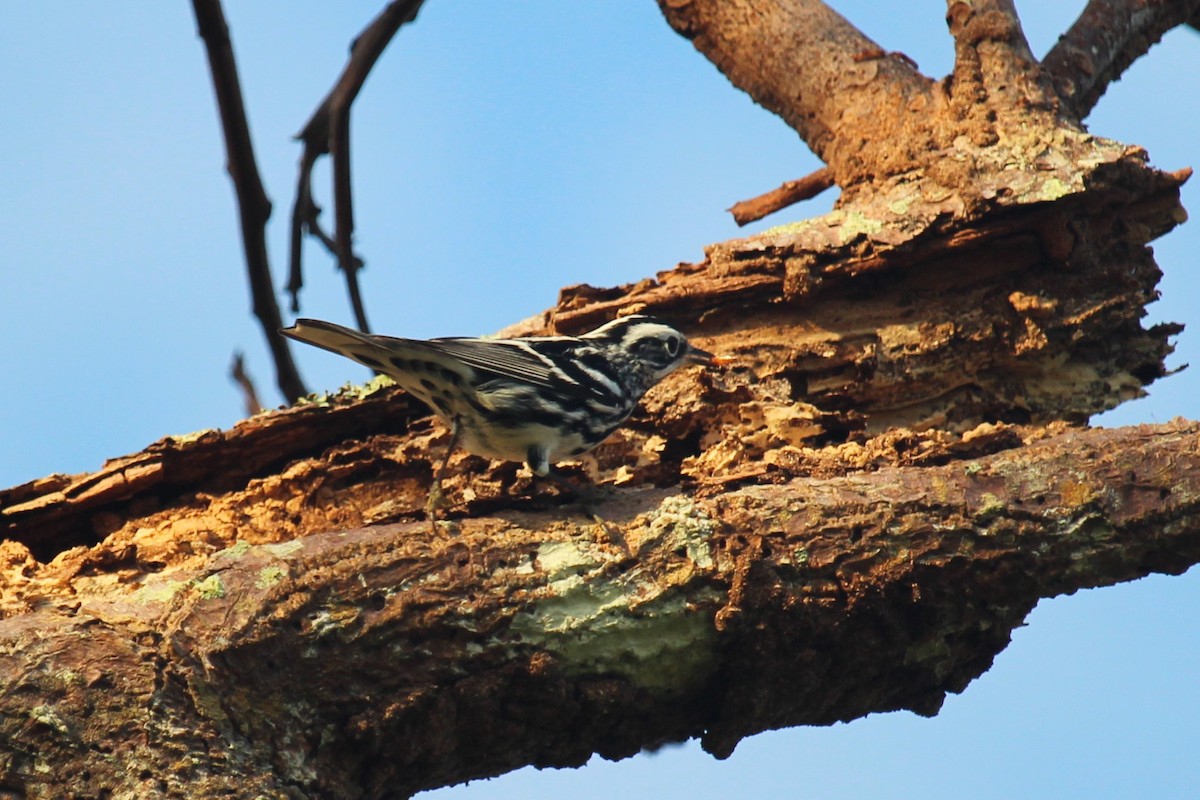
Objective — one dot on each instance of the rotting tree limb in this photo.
(328, 132)
(254, 208)
(1104, 41)
(380, 661)
(1032, 317)
(242, 613)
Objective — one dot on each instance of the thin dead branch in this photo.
(1104, 41)
(238, 374)
(790, 193)
(328, 132)
(254, 207)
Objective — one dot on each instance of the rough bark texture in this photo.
(1106, 39)
(379, 661)
(850, 518)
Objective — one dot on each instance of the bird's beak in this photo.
(697, 356)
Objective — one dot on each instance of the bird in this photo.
(531, 399)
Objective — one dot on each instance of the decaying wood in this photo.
(850, 517)
(379, 661)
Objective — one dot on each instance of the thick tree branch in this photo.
(1106, 39)
(803, 61)
(381, 661)
(328, 132)
(254, 208)
(994, 69)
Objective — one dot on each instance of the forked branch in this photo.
(991, 58)
(328, 132)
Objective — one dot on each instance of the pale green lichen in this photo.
(623, 626)
(989, 506)
(159, 592)
(210, 588)
(789, 228)
(69, 677)
(568, 558)
(47, 716)
(597, 620)
(269, 576)
(680, 522)
(857, 224)
(236, 550)
(349, 391)
(282, 549)
(1053, 189)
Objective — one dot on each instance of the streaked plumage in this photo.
(537, 399)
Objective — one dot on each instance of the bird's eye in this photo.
(672, 344)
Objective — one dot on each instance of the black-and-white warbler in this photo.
(537, 399)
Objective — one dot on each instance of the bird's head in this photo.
(652, 347)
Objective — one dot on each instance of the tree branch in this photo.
(328, 132)
(254, 208)
(381, 661)
(803, 61)
(850, 518)
(996, 79)
(1104, 41)
(790, 193)
(238, 374)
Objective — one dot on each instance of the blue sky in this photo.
(502, 151)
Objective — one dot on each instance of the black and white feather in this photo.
(537, 399)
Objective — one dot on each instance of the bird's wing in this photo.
(514, 359)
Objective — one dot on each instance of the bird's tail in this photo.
(361, 347)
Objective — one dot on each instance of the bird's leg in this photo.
(436, 498)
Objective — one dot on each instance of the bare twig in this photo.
(254, 207)
(1106, 39)
(328, 131)
(791, 192)
(238, 373)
